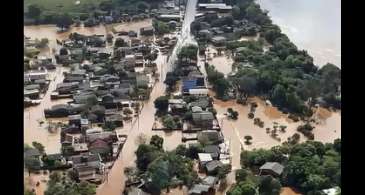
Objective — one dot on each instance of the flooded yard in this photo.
(327, 130)
(127, 157)
(35, 124)
(50, 32)
(222, 63)
(135, 26)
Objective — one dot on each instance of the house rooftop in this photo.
(273, 166)
(31, 153)
(213, 165)
(210, 181)
(202, 116)
(204, 157)
(199, 189)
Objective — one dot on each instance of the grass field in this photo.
(63, 6)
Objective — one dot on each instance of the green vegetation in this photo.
(162, 103)
(171, 122)
(164, 169)
(284, 74)
(219, 82)
(311, 166)
(171, 79)
(156, 141)
(232, 114)
(39, 147)
(306, 129)
(49, 12)
(188, 53)
(161, 27)
(248, 139)
(60, 184)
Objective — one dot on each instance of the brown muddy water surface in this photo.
(33, 131)
(222, 63)
(327, 130)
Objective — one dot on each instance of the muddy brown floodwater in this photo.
(326, 130)
(222, 63)
(34, 116)
(127, 157)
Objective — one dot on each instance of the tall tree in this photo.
(34, 11)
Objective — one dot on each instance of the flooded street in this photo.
(311, 24)
(33, 130)
(127, 157)
(327, 130)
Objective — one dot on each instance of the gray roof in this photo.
(273, 166)
(210, 181)
(211, 149)
(198, 189)
(218, 38)
(203, 103)
(202, 116)
(211, 135)
(31, 153)
(90, 158)
(204, 157)
(196, 109)
(213, 165)
(55, 156)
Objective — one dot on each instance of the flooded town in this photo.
(175, 97)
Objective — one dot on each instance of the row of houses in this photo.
(218, 35)
(104, 85)
(35, 84)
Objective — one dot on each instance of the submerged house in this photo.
(213, 166)
(218, 40)
(213, 150)
(61, 110)
(147, 31)
(203, 119)
(99, 146)
(211, 136)
(272, 168)
(219, 7)
(193, 85)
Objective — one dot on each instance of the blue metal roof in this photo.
(189, 84)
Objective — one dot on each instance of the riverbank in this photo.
(308, 27)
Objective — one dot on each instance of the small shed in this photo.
(272, 168)
(213, 150)
(198, 189)
(204, 158)
(212, 166)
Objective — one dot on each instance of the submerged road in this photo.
(114, 184)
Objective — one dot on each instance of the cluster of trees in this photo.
(171, 122)
(161, 104)
(247, 183)
(32, 163)
(283, 74)
(62, 20)
(161, 27)
(171, 80)
(232, 114)
(309, 167)
(60, 184)
(306, 129)
(188, 53)
(164, 169)
(220, 84)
